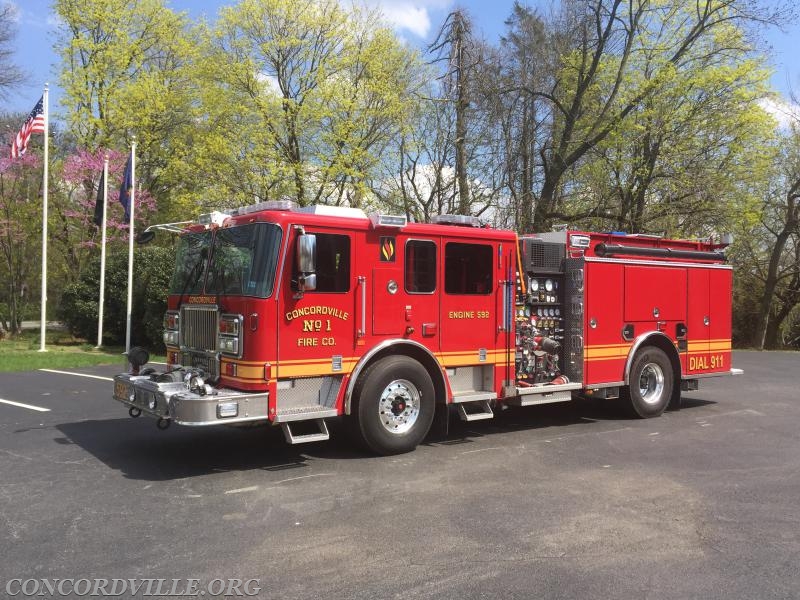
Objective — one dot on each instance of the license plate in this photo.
(121, 390)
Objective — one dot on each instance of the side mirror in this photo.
(145, 237)
(306, 262)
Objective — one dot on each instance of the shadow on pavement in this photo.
(140, 451)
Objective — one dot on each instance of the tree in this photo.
(152, 271)
(523, 61)
(608, 61)
(774, 245)
(456, 43)
(683, 160)
(20, 220)
(127, 68)
(10, 74)
(75, 235)
(318, 92)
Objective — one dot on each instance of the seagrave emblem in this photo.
(387, 249)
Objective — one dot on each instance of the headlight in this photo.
(229, 325)
(229, 345)
(172, 320)
(230, 334)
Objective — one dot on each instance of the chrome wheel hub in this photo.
(398, 407)
(651, 383)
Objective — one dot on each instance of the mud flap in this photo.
(675, 401)
(441, 423)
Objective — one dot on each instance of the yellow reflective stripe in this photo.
(608, 352)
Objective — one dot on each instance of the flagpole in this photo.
(43, 316)
(103, 256)
(131, 199)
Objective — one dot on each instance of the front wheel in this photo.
(651, 382)
(393, 405)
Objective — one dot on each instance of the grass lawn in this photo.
(63, 352)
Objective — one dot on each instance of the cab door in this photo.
(317, 328)
(470, 310)
(405, 282)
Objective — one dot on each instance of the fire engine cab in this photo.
(291, 316)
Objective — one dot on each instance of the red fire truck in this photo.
(291, 316)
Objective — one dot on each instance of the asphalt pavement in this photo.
(564, 501)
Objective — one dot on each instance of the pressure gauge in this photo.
(552, 312)
(548, 285)
(539, 312)
(534, 285)
(558, 312)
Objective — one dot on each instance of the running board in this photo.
(316, 436)
(540, 398)
(475, 410)
(473, 396)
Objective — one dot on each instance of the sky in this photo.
(416, 21)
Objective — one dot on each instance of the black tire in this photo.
(651, 383)
(393, 405)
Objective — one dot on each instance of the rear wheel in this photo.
(651, 383)
(393, 405)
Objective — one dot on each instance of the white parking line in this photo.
(78, 374)
(252, 488)
(28, 406)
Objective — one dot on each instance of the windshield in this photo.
(244, 259)
(191, 263)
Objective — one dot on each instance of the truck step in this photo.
(315, 436)
(475, 410)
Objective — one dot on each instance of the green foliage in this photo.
(20, 227)
(310, 96)
(152, 272)
(127, 71)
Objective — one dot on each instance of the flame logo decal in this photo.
(387, 249)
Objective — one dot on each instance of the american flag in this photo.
(34, 124)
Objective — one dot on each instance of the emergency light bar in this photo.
(213, 218)
(269, 205)
(463, 220)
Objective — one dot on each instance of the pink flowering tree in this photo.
(76, 232)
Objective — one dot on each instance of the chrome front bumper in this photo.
(171, 401)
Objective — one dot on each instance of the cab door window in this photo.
(333, 263)
(420, 267)
(467, 268)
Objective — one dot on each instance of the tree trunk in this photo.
(461, 121)
(771, 281)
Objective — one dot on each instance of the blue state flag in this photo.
(125, 189)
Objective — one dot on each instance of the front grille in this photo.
(199, 324)
(199, 328)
